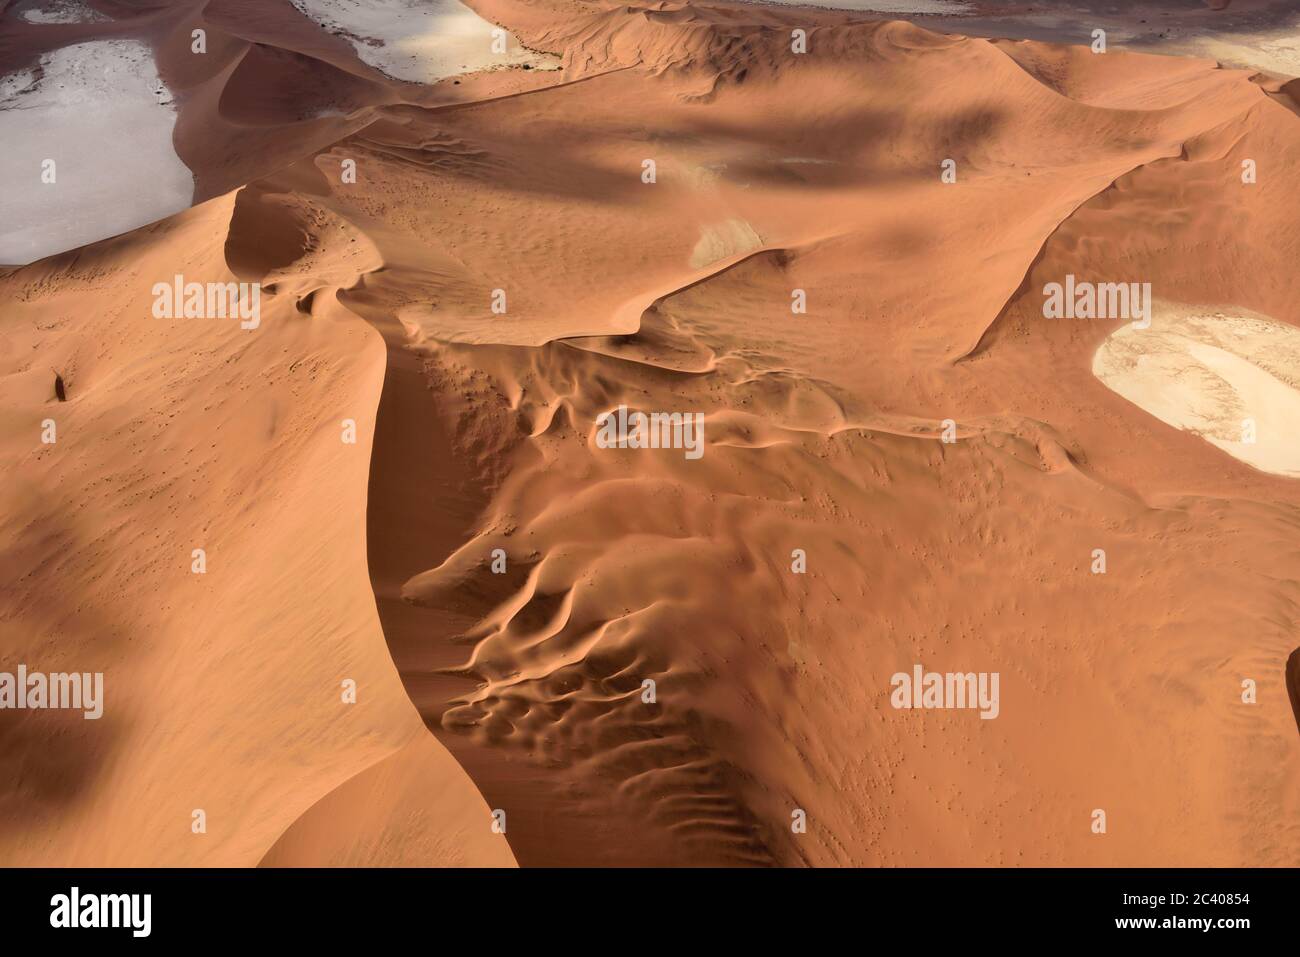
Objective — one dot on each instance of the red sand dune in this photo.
(774, 172)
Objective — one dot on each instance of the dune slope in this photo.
(648, 656)
(823, 435)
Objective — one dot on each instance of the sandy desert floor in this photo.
(439, 622)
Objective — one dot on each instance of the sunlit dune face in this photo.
(722, 241)
(1233, 380)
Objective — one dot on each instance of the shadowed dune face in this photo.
(1245, 34)
(1293, 684)
(643, 656)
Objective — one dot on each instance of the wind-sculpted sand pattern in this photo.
(889, 457)
(622, 566)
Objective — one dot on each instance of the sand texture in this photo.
(471, 264)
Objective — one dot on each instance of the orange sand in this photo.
(774, 172)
